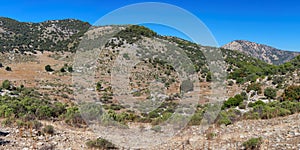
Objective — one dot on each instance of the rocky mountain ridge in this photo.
(263, 52)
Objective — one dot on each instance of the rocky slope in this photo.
(277, 133)
(263, 52)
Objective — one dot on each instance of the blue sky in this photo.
(271, 22)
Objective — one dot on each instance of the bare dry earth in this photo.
(278, 133)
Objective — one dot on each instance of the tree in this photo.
(48, 68)
(270, 93)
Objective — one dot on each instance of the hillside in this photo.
(39, 109)
(265, 53)
(56, 35)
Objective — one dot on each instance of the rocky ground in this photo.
(277, 133)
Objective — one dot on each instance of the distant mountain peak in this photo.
(263, 52)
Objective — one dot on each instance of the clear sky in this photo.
(271, 22)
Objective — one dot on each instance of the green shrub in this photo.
(259, 102)
(126, 56)
(233, 101)
(277, 80)
(73, 116)
(70, 69)
(253, 144)
(134, 33)
(48, 68)
(156, 128)
(209, 77)
(62, 69)
(196, 118)
(6, 84)
(98, 86)
(100, 143)
(49, 129)
(36, 124)
(210, 135)
(44, 112)
(254, 87)
(270, 93)
(8, 68)
(223, 118)
(242, 106)
(273, 109)
(292, 93)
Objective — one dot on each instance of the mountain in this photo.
(55, 35)
(266, 53)
(159, 80)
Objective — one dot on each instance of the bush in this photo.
(28, 107)
(36, 124)
(196, 118)
(253, 144)
(62, 69)
(270, 93)
(73, 117)
(257, 103)
(6, 84)
(272, 109)
(49, 129)
(100, 143)
(8, 68)
(48, 68)
(70, 69)
(254, 87)
(277, 80)
(233, 101)
(44, 112)
(242, 106)
(223, 119)
(210, 135)
(98, 86)
(230, 83)
(156, 128)
(292, 93)
(209, 77)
